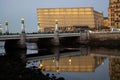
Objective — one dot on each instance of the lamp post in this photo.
(6, 23)
(56, 26)
(22, 27)
(38, 27)
(0, 28)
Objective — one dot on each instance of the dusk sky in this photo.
(14, 10)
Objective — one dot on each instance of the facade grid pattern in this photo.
(114, 13)
(69, 17)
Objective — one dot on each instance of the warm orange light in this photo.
(57, 70)
(6, 22)
(41, 66)
(56, 21)
(22, 20)
(69, 60)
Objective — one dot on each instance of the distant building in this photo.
(69, 18)
(105, 21)
(114, 13)
(106, 24)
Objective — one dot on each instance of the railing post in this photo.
(22, 42)
(84, 37)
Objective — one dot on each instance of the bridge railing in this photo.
(10, 34)
(38, 33)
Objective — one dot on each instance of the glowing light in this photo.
(22, 20)
(56, 21)
(57, 70)
(53, 60)
(69, 60)
(41, 66)
(6, 22)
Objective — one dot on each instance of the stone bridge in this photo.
(55, 39)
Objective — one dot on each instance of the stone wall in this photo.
(107, 39)
(104, 36)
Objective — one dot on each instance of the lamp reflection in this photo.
(41, 65)
(69, 61)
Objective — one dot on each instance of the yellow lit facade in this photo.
(105, 22)
(68, 17)
(72, 64)
(114, 13)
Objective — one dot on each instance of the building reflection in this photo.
(81, 59)
(114, 60)
(114, 68)
(71, 63)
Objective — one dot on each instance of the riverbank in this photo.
(13, 69)
(106, 43)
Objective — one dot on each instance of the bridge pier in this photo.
(84, 37)
(55, 41)
(22, 42)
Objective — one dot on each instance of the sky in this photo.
(14, 10)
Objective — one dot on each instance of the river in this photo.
(72, 62)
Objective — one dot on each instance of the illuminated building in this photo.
(114, 13)
(68, 18)
(105, 22)
(114, 68)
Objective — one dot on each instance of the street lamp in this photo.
(56, 26)
(22, 27)
(56, 21)
(6, 23)
(0, 28)
(22, 20)
(38, 27)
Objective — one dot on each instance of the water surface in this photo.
(72, 63)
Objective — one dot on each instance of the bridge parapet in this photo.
(69, 34)
(9, 37)
(31, 36)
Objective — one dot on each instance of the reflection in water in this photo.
(114, 68)
(72, 64)
(114, 61)
(87, 63)
(70, 60)
(2, 50)
(81, 59)
(13, 67)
